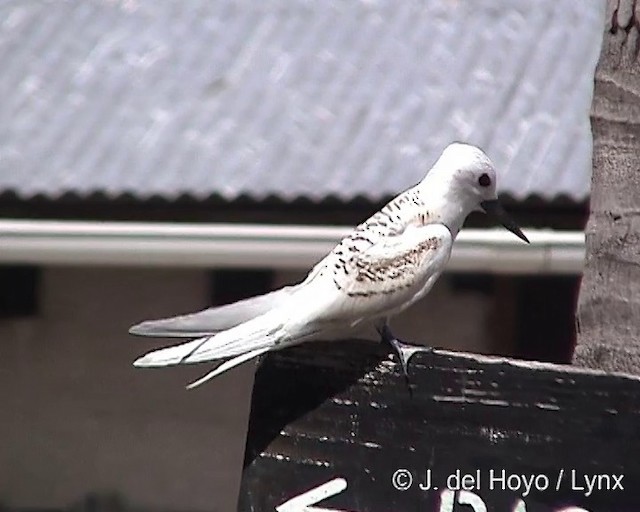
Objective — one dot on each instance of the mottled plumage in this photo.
(357, 273)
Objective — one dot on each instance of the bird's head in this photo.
(465, 178)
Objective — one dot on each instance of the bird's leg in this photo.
(403, 350)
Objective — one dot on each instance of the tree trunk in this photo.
(609, 302)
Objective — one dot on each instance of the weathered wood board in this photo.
(532, 437)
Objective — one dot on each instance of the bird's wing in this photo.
(212, 320)
(392, 271)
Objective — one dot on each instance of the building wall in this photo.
(78, 418)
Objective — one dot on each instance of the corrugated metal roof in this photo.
(292, 98)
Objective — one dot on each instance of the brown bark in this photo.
(609, 303)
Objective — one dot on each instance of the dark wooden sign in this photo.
(334, 428)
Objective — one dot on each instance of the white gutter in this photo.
(262, 246)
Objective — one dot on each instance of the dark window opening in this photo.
(472, 283)
(545, 320)
(18, 291)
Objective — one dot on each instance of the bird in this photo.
(386, 264)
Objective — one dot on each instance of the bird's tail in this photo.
(242, 342)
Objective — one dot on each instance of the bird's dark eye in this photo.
(484, 180)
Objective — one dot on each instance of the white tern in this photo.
(384, 266)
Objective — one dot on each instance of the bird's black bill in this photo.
(494, 209)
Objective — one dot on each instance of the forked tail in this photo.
(243, 342)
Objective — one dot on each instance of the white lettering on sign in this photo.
(473, 500)
(447, 502)
(522, 507)
(306, 501)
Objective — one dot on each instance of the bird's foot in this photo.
(403, 350)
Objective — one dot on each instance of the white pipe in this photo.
(262, 246)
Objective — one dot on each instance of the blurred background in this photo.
(158, 157)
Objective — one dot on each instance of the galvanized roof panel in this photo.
(292, 98)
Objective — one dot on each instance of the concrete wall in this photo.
(77, 417)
